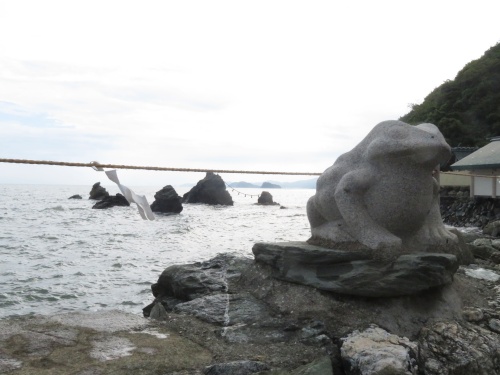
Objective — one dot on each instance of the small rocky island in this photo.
(209, 190)
(167, 201)
(105, 200)
(266, 199)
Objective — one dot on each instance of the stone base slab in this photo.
(354, 272)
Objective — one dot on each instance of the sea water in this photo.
(60, 255)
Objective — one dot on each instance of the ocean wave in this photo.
(89, 259)
(55, 208)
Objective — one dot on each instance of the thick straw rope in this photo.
(115, 166)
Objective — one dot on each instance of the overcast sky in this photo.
(247, 85)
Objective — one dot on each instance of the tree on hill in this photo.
(467, 109)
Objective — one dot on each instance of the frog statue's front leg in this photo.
(349, 197)
(433, 234)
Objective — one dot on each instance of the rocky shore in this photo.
(231, 315)
(460, 210)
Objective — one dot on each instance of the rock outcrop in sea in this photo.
(167, 201)
(111, 201)
(266, 199)
(98, 192)
(209, 190)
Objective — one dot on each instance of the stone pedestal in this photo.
(353, 272)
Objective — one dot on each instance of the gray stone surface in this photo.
(112, 201)
(167, 201)
(98, 192)
(353, 272)
(281, 324)
(236, 367)
(266, 198)
(375, 351)
(210, 190)
(382, 195)
(492, 228)
(459, 349)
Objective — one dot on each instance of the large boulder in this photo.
(458, 348)
(98, 192)
(112, 201)
(167, 201)
(210, 190)
(266, 199)
(353, 272)
(375, 351)
(492, 228)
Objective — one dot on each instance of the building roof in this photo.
(462, 152)
(487, 157)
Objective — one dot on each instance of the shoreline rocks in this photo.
(460, 210)
(230, 313)
(248, 307)
(209, 190)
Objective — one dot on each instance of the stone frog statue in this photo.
(382, 196)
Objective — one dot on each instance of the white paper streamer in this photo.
(140, 200)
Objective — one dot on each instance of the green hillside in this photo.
(466, 109)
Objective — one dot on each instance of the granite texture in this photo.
(382, 195)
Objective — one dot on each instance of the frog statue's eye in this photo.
(399, 132)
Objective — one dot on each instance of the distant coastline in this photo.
(302, 184)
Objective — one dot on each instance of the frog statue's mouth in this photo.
(435, 151)
(434, 155)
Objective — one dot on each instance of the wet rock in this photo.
(167, 201)
(112, 201)
(462, 211)
(322, 366)
(353, 272)
(492, 228)
(98, 192)
(210, 190)
(375, 351)
(187, 282)
(458, 349)
(265, 198)
(76, 196)
(237, 367)
(104, 342)
(472, 314)
(494, 325)
(486, 249)
(227, 309)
